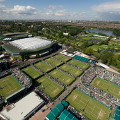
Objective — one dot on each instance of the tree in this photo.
(89, 51)
(108, 58)
(97, 55)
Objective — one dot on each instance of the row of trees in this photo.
(55, 32)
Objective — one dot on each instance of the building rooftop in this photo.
(27, 45)
(23, 107)
(30, 43)
(66, 115)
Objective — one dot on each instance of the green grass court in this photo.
(53, 61)
(107, 87)
(62, 77)
(8, 86)
(79, 64)
(43, 66)
(61, 57)
(50, 87)
(32, 72)
(71, 70)
(88, 106)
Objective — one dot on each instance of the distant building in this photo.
(66, 34)
(104, 37)
(14, 36)
(22, 109)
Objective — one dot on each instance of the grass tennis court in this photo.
(79, 64)
(61, 57)
(71, 70)
(8, 86)
(50, 87)
(32, 72)
(53, 61)
(62, 77)
(107, 87)
(88, 106)
(43, 66)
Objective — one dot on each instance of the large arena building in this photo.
(14, 36)
(30, 47)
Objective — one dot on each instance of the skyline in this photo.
(60, 10)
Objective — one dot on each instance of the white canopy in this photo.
(103, 65)
(30, 43)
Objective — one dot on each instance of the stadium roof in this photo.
(117, 114)
(64, 103)
(23, 108)
(27, 45)
(66, 115)
(30, 43)
(15, 33)
(13, 36)
(55, 112)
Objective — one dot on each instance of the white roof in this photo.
(103, 65)
(21, 108)
(2, 55)
(65, 33)
(30, 43)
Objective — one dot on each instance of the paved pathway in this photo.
(65, 93)
(41, 115)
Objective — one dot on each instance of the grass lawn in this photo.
(62, 77)
(53, 61)
(71, 70)
(50, 87)
(88, 106)
(107, 87)
(8, 86)
(61, 57)
(32, 72)
(43, 66)
(79, 64)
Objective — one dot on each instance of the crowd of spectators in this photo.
(76, 113)
(23, 79)
(45, 96)
(109, 97)
(88, 76)
(97, 97)
(100, 72)
(108, 75)
(116, 79)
